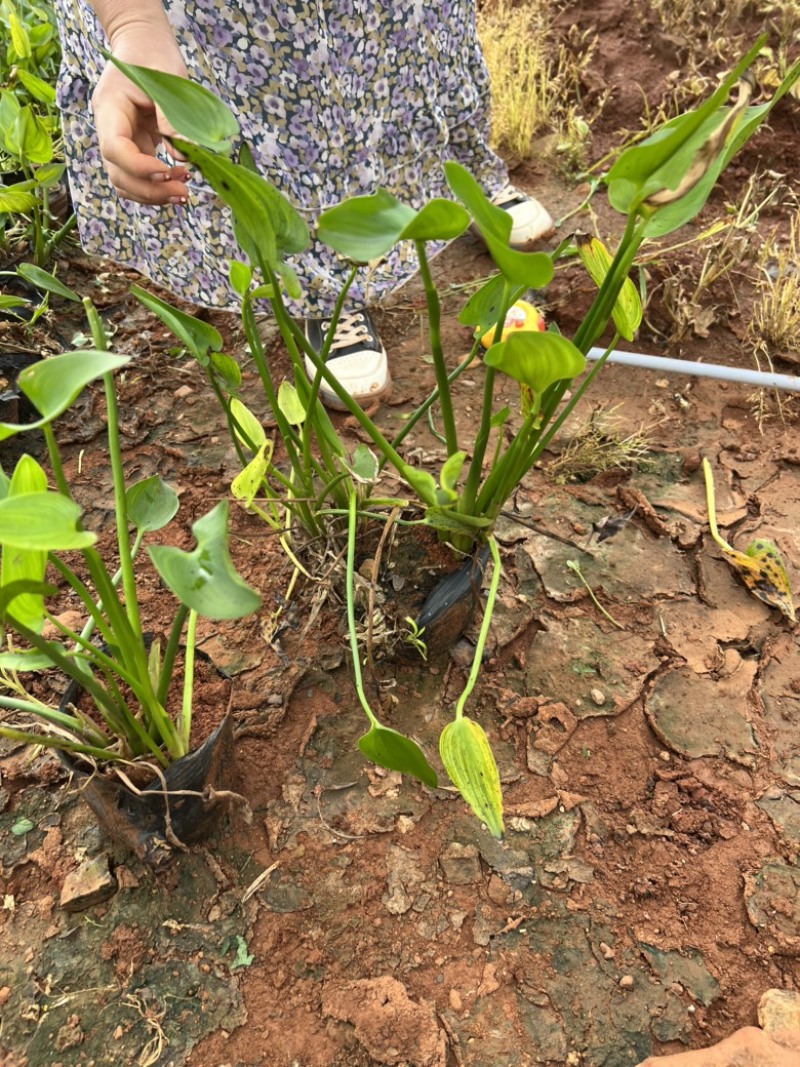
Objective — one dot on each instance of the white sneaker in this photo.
(356, 357)
(530, 220)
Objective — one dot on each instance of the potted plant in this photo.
(657, 186)
(112, 728)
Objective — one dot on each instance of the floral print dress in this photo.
(335, 98)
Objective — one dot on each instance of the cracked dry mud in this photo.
(648, 889)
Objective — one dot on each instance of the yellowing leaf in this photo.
(468, 759)
(596, 258)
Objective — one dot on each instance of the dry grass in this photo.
(775, 321)
(603, 444)
(536, 82)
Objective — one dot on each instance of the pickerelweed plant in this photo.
(125, 673)
(657, 185)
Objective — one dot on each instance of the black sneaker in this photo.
(356, 357)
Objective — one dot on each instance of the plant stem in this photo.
(351, 615)
(100, 341)
(185, 720)
(418, 413)
(63, 743)
(439, 365)
(170, 652)
(574, 566)
(477, 658)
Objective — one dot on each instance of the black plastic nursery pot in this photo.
(449, 607)
(179, 808)
(14, 406)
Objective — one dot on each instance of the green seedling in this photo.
(414, 636)
(657, 184)
(127, 686)
(575, 567)
(760, 565)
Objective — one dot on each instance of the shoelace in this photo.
(350, 330)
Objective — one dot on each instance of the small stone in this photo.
(598, 697)
(606, 951)
(275, 700)
(456, 1003)
(182, 392)
(626, 982)
(92, 883)
(457, 919)
(779, 1009)
(404, 824)
(664, 756)
(497, 890)
(460, 864)
(661, 383)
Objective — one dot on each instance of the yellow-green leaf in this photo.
(468, 759)
(627, 313)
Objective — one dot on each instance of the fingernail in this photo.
(179, 200)
(160, 176)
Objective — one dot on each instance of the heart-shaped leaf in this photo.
(364, 228)
(396, 752)
(468, 760)
(536, 359)
(438, 220)
(490, 219)
(532, 270)
(205, 579)
(53, 384)
(151, 503)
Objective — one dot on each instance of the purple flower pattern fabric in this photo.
(335, 98)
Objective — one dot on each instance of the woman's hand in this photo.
(130, 127)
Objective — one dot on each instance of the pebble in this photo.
(456, 1003)
(182, 392)
(664, 756)
(89, 884)
(606, 951)
(598, 697)
(779, 1009)
(626, 982)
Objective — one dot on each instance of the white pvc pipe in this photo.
(761, 379)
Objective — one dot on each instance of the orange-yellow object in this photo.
(521, 316)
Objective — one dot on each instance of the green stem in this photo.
(423, 409)
(477, 659)
(100, 341)
(712, 506)
(48, 741)
(53, 716)
(170, 652)
(351, 615)
(185, 720)
(55, 461)
(439, 365)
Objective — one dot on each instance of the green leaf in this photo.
(536, 359)
(249, 430)
(448, 478)
(364, 465)
(20, 563)
(656, 162)
(627, 313)
(468, 760)
(364, 228)
(440, 518)
(42, 279)
(16, 198)
(205, 579)
(423, 484)
(52, 385)
(396, 752)
(243, 957)
(22, 827)
(250, 481)
(191, 109)
(28, 139)
(484, 306)
(8, 303)
(151, 503)
(241, 276)
(267, 226)
(532, 270)
(48, 174)
(38, 88)
(438, 220)
(227, 370)
(30, 660)
(42, 521)
(490, 219)
(290, 404)
(198, 336)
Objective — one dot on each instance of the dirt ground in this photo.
(647, 891)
